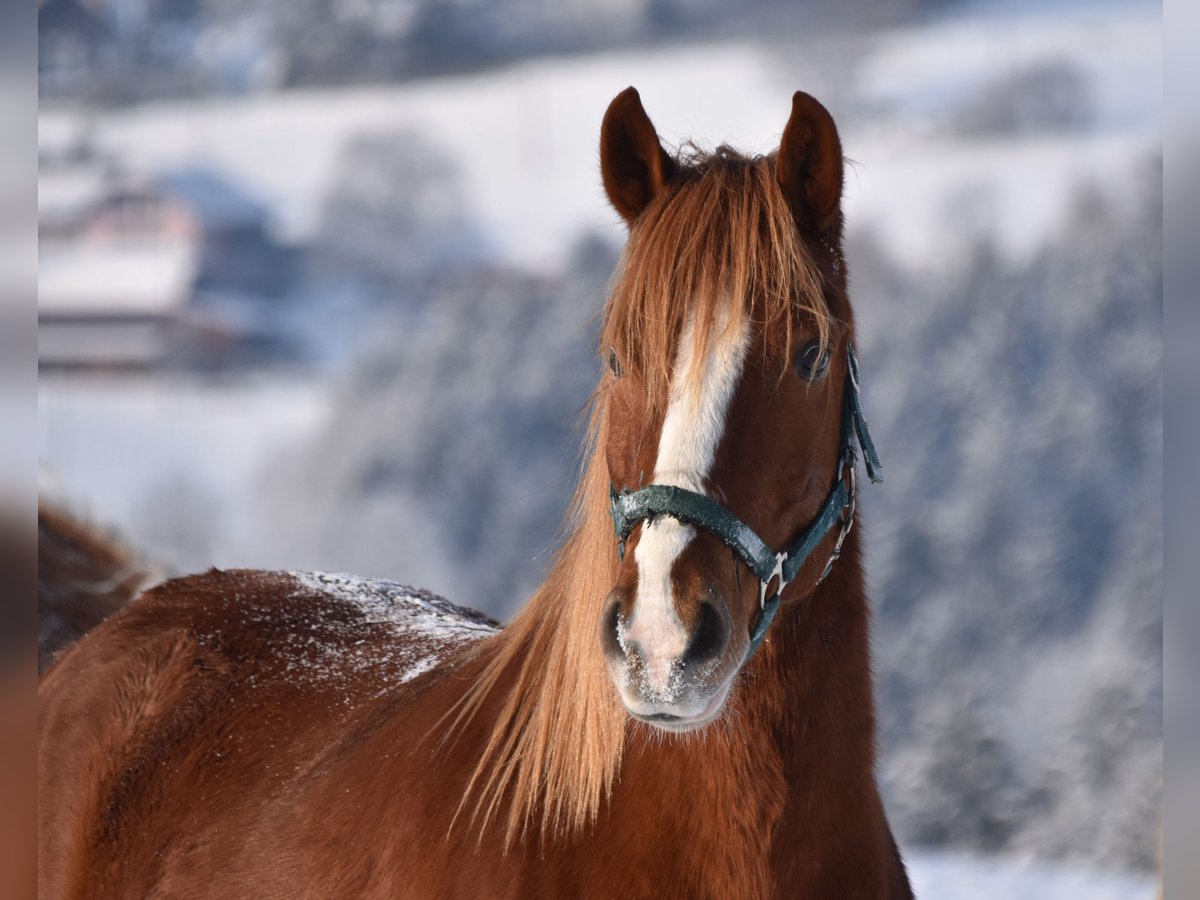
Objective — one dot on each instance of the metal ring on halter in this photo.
(777, 572)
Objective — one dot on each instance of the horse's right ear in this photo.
(633, 164)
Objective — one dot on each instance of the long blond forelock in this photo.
(722, 246)
(724, 235)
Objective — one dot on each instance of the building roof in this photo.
(219, 202)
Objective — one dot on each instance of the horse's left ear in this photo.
(633, 164)
(809, 165)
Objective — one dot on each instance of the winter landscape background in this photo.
(368, 346)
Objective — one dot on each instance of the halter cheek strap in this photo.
(629, 508)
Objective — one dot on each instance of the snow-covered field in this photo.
(951, 876)
(130, 449)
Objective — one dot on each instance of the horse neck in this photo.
(791, 764)
(802, 725)
(817, 700)
(807, 695)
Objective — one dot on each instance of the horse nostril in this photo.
(711, 636)
(610, 624)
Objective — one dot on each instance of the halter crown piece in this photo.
(653, 501)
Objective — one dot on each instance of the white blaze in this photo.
(687, 448)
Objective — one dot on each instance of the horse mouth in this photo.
(678, 722)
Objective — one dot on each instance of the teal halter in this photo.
(653, 501)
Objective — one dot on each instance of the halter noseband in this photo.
(653, 501)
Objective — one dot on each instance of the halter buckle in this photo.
(777, 572)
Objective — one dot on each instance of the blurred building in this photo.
(139, 271)
(119, 305)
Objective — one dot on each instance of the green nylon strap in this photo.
(656, 500)
(631, 507)
(870, 457)
(770, 608)
(827, 518)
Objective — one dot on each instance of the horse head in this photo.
(727, 337)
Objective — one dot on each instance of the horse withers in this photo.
(684, 708)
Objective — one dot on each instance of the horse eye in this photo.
(812, 362)
(613, 362)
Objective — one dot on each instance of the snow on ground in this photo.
(957, 876)
(525, 138)
(121, 448)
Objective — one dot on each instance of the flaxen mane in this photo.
(721, 244)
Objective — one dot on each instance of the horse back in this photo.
(172, 727)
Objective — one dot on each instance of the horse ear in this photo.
(809, 166)
(633, 164)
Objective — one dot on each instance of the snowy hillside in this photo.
(958, 877)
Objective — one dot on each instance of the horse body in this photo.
(268, 734)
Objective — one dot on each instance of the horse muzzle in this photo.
(668, 676)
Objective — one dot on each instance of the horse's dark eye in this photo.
(812, 361)
(613, 362)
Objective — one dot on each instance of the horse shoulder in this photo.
(194, 708)
(110, 710)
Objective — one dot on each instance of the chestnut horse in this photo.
(267, 734)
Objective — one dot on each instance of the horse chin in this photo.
(680, 719)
